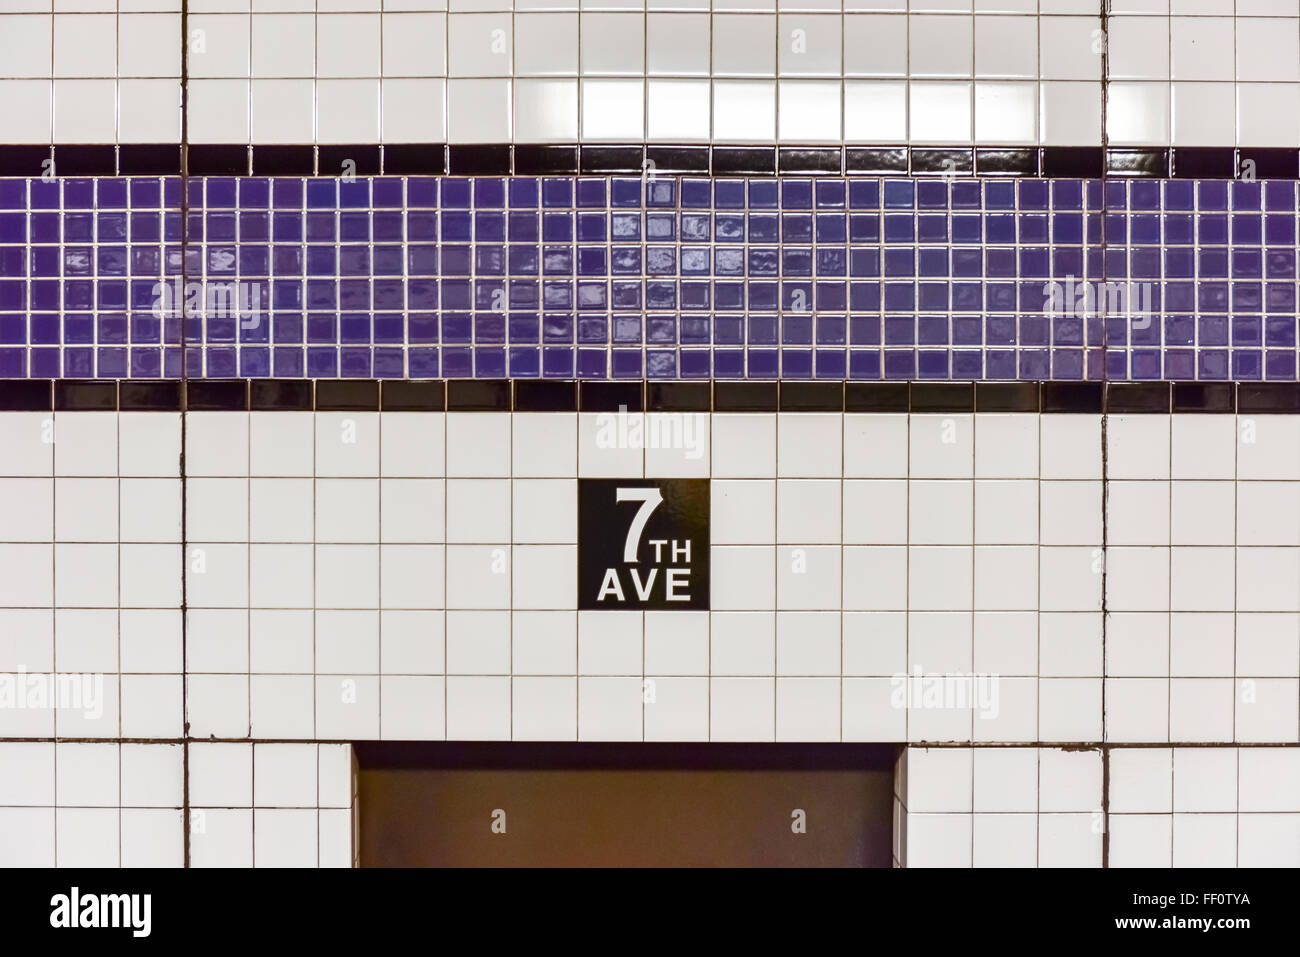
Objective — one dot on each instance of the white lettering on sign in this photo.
(650, 499)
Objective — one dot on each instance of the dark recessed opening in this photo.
(566, 804)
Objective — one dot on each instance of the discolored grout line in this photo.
(1105, 463)
(184, 248)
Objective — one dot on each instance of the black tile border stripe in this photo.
(877, 397)
(360, 160)
(413, 395)
(218, 160)
(157, 159)
(545, 395)
(719, 160)
(1138, 163)
(1081, 397)
(478, 395)
(85, 395)
(216, 395)
(943, 162)
(91, 160)
(544, 160)
(1138, 397)
(636, 395)
(942, 397)
(611, 396)
(137, 396)
(1254, 397)
(679, 396)
(415, 159)
(1205, 397)
(745, 396)
(284, 161)
(29, 161)
(800, 395)
(280, 395)
(347, 395)
(1007, 397)
(491, 160)
(27, 395)
(670, 159)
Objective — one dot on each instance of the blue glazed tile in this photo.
(696, 193)
(557, 362)
(734, 269)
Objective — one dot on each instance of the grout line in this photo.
(182, 465)
(1105, 470)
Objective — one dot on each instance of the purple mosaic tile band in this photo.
(660, 278)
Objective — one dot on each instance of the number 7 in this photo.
(650, 499)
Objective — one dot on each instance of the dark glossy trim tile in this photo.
(1138, 397)
(610, 159)
(1205, 397)
(85, 395)
(679, 396)
(876, 159)
(812, 396)
(1204, 162)
(431, 159)
(606, 396)
(876, 397)
(85, 160)
(743, 160)
(280, 395)
(161, 396)
(413, 395)
(678, 159)
(1268, 163)
(943, 397)
(149, 159)
(810, 160)
(1007, 162)
(1138, 163)
(546, 395)
(216, 159)
(743, 396)
(26, 161)
(478, 395)
(1007, 397)
(363, 159)
(414, 159)
(546, 160)
(347, 395)
(1071, 162)
(1264, 397)
(1082, 397)
(284, 160)
(930, 161)
(487, 160)
(216, 395)
(26, 395)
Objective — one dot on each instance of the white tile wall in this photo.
(410, 576)
(271, 805)
(374, 576)
(1042, 807)
(110, 804)
(84, 804)
(1204, 73)
(90, 72)
(1197, 73)
(1194, 73)
(1204, 807)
